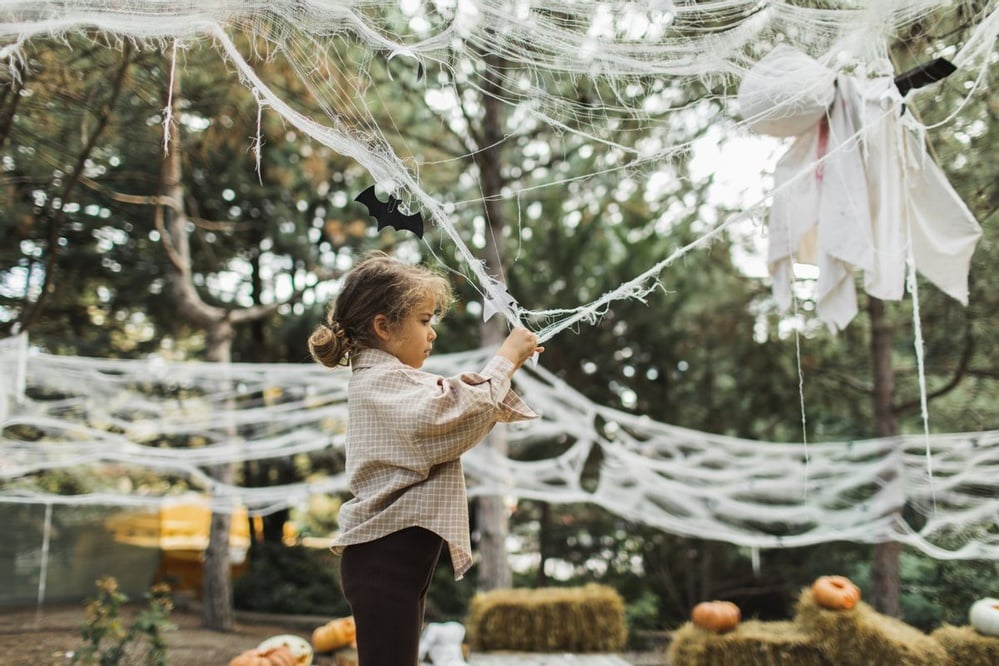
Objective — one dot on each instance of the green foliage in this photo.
(290, 579)
(108, 641)
(938, 592)
(642, 613)
(87, 271)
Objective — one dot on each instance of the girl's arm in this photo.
(445, 416)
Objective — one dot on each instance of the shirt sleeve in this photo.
(511, 407)
(445, 416)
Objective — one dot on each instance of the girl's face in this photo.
(412, 341)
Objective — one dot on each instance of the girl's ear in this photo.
(381, 326)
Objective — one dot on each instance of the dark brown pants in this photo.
(386, 582)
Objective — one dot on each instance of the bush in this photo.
(293, 580)
(108, 642)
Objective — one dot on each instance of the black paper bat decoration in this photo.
(388, 214)
(924, 75)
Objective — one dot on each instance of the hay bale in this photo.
(863, 636)
(751, 643)
(967, 647)
(556, 619)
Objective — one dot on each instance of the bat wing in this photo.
(388, 214)
(924, 75)
(370, 200)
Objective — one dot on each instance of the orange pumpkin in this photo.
(334, 634)
(835, 592)
(277, 656)
(718, 616)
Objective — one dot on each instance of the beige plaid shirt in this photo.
(406, 432)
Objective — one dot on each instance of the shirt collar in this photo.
(371, 356)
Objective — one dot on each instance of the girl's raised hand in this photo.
(519, 346)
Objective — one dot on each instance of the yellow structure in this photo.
(180, 531)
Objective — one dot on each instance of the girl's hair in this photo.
(378, 284)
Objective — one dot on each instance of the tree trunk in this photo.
(885, 579)
(493, 522)
(216, 595)
(217, 610)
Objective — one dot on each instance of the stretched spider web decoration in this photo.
(104, 422)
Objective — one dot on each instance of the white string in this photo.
(920, 349)
(801, 392)
(168, 109)
(912, 285)
(258, 143)
(636, 288)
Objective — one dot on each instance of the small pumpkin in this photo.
(334, 634)
(984, 616)
(717, 616)
(299, 647)
(276, 656)
(835, 592)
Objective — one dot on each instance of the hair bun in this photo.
(330, 343)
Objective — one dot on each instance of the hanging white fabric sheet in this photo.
(853, 193)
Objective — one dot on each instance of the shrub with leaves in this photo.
(109, 641)
(290, 579)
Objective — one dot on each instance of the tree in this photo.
(493, 528)
(219, 324)
(55, 129)
(923, 42)
(115, 167)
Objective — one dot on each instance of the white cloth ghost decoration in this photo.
(856, 190)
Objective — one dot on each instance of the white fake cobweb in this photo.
(103, 421)
(538, 52)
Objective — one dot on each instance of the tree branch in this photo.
(848, 382)
(161, 200)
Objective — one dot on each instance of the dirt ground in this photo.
(50, 638)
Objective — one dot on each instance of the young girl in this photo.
(406, 432)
